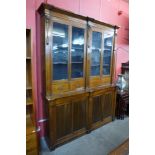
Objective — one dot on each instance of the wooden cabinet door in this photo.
(97, 109)
(70, 116)
(102, 108)
(63, 119)
(107, 104)
(79, 114)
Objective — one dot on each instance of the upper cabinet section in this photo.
(65, 52)
(101, 45)
(78, 50)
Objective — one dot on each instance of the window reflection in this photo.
(108, 41)
(95, 55)
(60, 51)
(77, 52)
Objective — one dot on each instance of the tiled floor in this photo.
(99, 142)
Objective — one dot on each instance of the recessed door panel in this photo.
(107, 105)
(79, 114)
(63, 120)
(97, 109)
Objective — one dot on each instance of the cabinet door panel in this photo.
(97, 109)
(108, 46)
(107, 105)
(77, 52)
(96, 53)
(79, 114)
(60, 51)
(63, 120)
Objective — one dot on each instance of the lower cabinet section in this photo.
(63, 120)
(74, 115)
(103, 104)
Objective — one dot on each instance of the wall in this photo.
(103, 10)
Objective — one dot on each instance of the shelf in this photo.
(77, 49)
(29, 125)
(105, 56)
(106, 65)
(60, 48)
(95, 65)
(28, 87)
(28, 58)
(28, 43)
(29, 101)
(77, 62)
(28, 74)
(108, 46)
(95, 49)
(60, 63)
(106, 49)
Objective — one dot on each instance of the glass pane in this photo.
(60, 51)
(95, 55)
(108, 43)
(77, 52)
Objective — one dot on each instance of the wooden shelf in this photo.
(28, 43)
(77, 48)
(31, 134)
(96, 49)
(29, 125)
(60, 63)
(106, 56)
(28, 87)
(106, 49)
(95, 65)
(108, 45)
(29, 101)
(77, 62)
(28, 58)
(28, 74)
(106, 65)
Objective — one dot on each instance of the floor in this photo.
(99, 142)
(122, 149)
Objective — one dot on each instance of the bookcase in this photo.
(77, 66)
(29, 100)
(31, 134)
